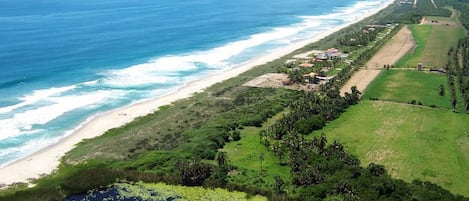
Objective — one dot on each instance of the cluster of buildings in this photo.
(308, 59)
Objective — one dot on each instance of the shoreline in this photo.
(46, 160)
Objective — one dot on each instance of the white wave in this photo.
(166, 69)
(20, 151)
(24, 122)
(351, 12)
(36, 96)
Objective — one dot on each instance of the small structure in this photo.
(325, 78)
(332, 52)
(321, 56)
(419, 66)
(343, 56)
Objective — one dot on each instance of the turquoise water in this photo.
(63, 62)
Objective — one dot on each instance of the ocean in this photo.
(64, 62)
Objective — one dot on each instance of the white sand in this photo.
(47, 160)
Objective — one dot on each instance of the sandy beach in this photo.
(46, 160)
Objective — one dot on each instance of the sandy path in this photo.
(397, 47)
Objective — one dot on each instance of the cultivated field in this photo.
(412, 142)
(433, 43)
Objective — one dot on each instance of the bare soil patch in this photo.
(398, 46)
(269, 80)
(275, 80)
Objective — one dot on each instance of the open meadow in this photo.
(405, 86)
(252, 155)
(412, 142)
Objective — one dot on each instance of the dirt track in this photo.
(397, 47)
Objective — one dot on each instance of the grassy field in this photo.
(412, 142)
(433, 43)
(246, 154)
(406, 85)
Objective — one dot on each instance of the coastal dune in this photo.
(47, 160)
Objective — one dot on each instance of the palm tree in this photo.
(221, 158)
(279, 184)
(319, 143)
(261, 159)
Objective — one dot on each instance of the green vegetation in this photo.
(410, 86)
(361, 37)
(198, 193)
(458, 74)
(247, 153)
(164, 192)
(411, 142)
(407, 14)
(433, 44)
(441, 19)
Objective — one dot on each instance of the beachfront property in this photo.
(330, 53)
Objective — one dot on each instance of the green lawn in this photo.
(412, 142)
(407, 85)
(433, 43)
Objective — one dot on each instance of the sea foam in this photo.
(36, 96)
(23, 122)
